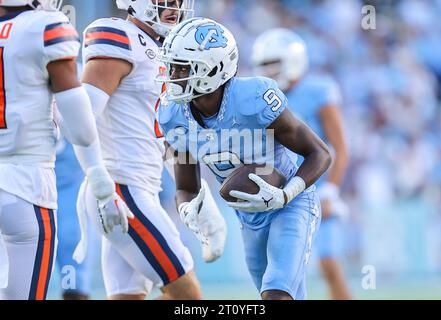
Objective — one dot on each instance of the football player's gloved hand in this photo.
(112, 209)
(189, 213)
(213, 226)
(269, 197)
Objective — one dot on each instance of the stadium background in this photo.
(390, 78)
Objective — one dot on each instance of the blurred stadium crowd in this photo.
(390, 78)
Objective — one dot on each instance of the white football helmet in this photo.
(49, 5)
(149, 12)
(210, 52)
(280, 54)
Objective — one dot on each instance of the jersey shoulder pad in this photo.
(174, 125)
(108, 37)
(60, 39)
(170, 116)
(259, 98)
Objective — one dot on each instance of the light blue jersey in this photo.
(277, 243)
(235, 136)
(307, 99)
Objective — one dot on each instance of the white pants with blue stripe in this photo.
(29, 241)
(150, 254)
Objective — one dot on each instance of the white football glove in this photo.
(189, 213)
(112, 209)
(268, 198)
(213, 227)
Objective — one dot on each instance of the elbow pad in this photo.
(77, 117)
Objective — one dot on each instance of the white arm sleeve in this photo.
(79, 125)
(77, 117)
(98, 98)
(90, 156)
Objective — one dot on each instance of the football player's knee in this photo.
(185, 288)
(190, 293)
(127, 297)
(276, 295)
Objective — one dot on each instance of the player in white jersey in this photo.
(38, 51)
(119, 75)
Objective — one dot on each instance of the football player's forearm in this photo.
(188, 182)
(338, 168)
(299, 138)
(315, 164)
(76, 116)
(183, 196)
(332, 122)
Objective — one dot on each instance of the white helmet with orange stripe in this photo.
(150, 11)
(36, 4)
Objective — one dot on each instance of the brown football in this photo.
(239, 180)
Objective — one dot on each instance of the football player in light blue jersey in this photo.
(211, 116)
(281, 55)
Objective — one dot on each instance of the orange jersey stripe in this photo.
(107, 36)
(45, 263)
(60, 32)
(2, 93)
(158, 132)
(153, 244)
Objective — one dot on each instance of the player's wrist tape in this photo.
(328, 191)
(76, 112)
(294, 187)
(98, 98)
(100, 182)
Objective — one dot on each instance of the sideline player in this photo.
(203, 101)
(38, 51)
(281, 54)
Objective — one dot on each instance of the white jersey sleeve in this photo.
(107, 38)
(60, 39)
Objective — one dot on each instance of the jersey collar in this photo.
(12, 15)
(194, 115)
(158, 42)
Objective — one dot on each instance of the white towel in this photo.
(81, 250)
